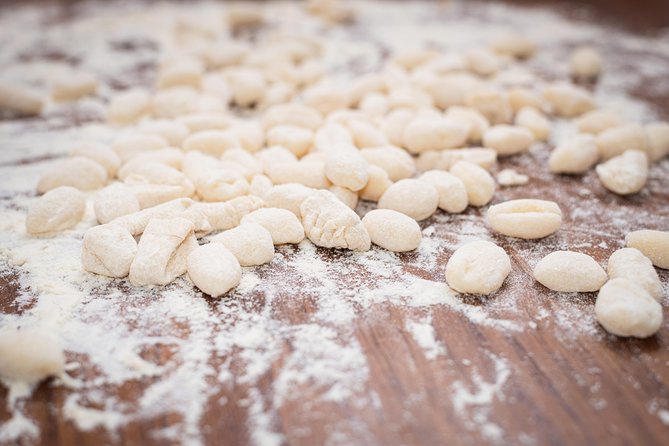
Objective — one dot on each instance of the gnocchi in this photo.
(108, 250)
(213, 269)
(331, 224)
(624, 308)
(283, 225)
(480, 185)
(653, 244)
(59, 209)
(78, 172)
(570, 272)
(162, 251)
(452, 193)
(250, 243)
(624, 174)
(478, 267)
(630, 263)
(415, 198)
(392, 230)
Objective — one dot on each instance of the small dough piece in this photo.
(20, 100)
(98, 152)
(393, 124)
(472, 118)
(78, 172)
(596, 121)
(491, 103)
(366, 135)
(176, 101)
(392, 230)
(624, 308)
(453, 89)
(196, 163)
(200, 122)
(415, 198)
(186, 72)
(156, 183)
(292, 114)
(534, 121)
(29, 355)
(377, 184)
(575, 156)
(108, 250)
(658, 140)
(283, 225)
(250, 133)
(567, 100)
(275, 155)
(653, 244)
(162, 251)
(226, 215)
(482, 61)
(213, 269)
(331, 134)
(485, 158)
(513, 44)
(73, 86)
(135, 223)
(397, 163)
(288, 196)
(431, 133)
(509, 177)
(250, 243)
(128, 107)
(245, 159)
(479, 267)
(221, 185)
(434, 160)
(479, 183)
(331, 224)
(260, 185)
(59, 209)
(614, 141)
(114, 201)
(522, 97)
(169, 156)
(247, 86)
(452, 192)
(624, 174)
(347, 170)
(346, 196)
(525, 218)
(631, 264)
(570, 272)
(508, 139)
(307, 173)
(174, 132)
(131, 146)
(212, 142)
(326, 97)
(585, 63)
(296, 139)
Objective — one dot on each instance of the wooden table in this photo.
(560, 380)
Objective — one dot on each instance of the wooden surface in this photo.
(565, 386)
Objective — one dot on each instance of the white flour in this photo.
(263, 341)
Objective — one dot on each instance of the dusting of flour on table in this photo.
(187, 350)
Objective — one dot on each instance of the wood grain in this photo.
(565, 387)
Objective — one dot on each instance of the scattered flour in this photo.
(191, 349)
(423, 334)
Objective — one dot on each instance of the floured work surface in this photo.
(324, 346)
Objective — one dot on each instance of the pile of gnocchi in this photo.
(254, 145)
